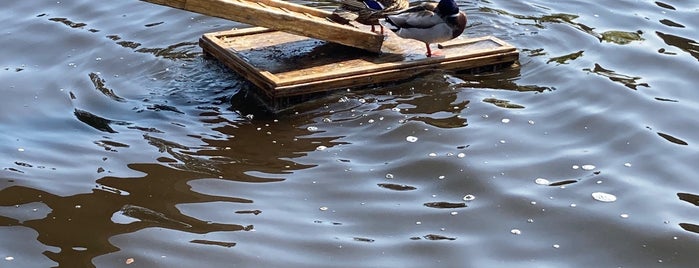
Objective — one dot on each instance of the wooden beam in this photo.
(282, 16)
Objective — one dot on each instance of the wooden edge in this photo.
(464, 41)
(364, 79)
(267, 75)
(179, 4)
(297, 8)
(260, 78)
(239, 32)
(394, 65)
(501, 42)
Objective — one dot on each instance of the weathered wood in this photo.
(282, 16)
(284, 65)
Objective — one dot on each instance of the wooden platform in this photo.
(284, 65)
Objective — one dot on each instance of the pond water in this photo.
(122, 145)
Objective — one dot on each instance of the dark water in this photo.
(120, 143)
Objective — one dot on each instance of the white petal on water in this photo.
(454, 213)
(20, 149)
(461, 155)
(588, 167)
(556, 246)
(389, 176)
(469, 197)
(411, 138)
(505, 120)
(576, 167)
(432, 154)
(323, 208)
(542, 181)
(9, 258)
(516, 231)
(603, 197)
(624, 216)
(627, 164)
(312, 128)
(321, 148)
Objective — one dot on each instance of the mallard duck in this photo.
(429, 22)
(367, 12)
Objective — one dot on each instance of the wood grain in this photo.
(282, 16)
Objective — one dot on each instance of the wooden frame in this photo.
(285, 65)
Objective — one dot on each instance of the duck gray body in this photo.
(429, 22)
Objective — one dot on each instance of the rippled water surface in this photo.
(123, 145)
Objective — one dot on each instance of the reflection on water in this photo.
(123, 145)
(628, 81)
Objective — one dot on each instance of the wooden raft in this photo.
(285, 65)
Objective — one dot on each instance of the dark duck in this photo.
(429, 22)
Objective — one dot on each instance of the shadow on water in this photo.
(80, 226)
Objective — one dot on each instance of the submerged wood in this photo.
(282, 16)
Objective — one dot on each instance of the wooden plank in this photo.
(285, 65)
(282, 16)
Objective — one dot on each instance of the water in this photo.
(121, 146)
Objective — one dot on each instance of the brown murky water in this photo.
(121, 146)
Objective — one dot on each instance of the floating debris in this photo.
(627, 164)
(363, 239)
(389, 176)
(461, 155)
(411, 138)
(214, 243)
(603, 197)
(130, 261)
(397, 187)
(435, 237)
(562, 183)
(312, 128)
(624, 216)
(516, 231)
(588, 167)
(505, 120)
(556, 246)
(469, 197)
(323, 208)
(321, 148)
(445, 205)
(9, 258)
(542, 181)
